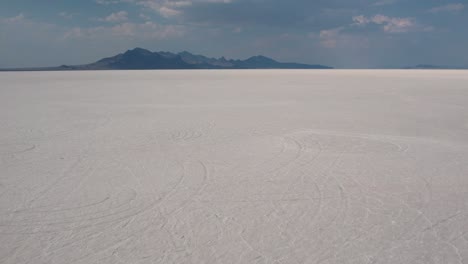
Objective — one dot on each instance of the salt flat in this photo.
(261, 166)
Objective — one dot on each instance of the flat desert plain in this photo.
(249, 166)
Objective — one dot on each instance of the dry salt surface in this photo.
(234, 167)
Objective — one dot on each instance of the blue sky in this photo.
(340, 33)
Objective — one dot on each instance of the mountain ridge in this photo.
(433, 67)
(143, 59)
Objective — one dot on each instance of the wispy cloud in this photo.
(329, 38)
(237, 30)
(66, 15)
(339, 38)
(166, 8)
(19, 18)
(384, 2)
(144, 17)
(447, 8)
(116, 17)
(390, 24)
(108, 2)
(147, 30)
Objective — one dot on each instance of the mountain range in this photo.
(142, 59)
(433, 67)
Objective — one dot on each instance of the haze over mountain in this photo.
(142, 59)
(433, 67)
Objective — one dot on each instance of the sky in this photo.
(339, 33)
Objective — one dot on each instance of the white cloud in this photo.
(66, 15)
(329, 38)
(116, 17)
(147, 30)
(447, 8)
(384, 2)
(27, 36)
(338, 39)
(19, 18)
(145, 17)
(166, 8)
(399, 25)
(108, 2)
(21, 22)
(138, 31)
(360, 20)
(168, 11)
(389, 24)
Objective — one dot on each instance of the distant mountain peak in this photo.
(432, 67)
(185, 53)
(138, 49)
(261, 59)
